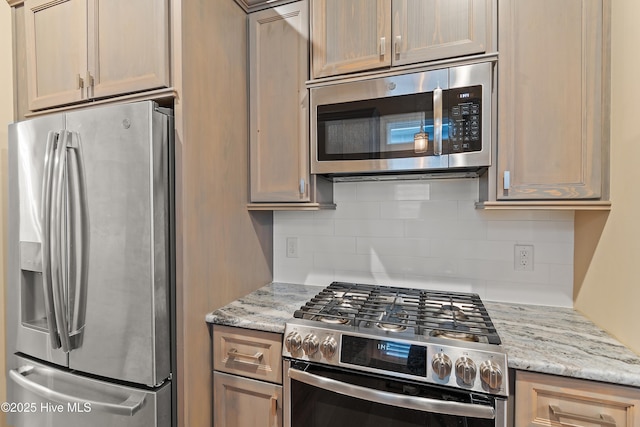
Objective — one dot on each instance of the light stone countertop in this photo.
(551, 340)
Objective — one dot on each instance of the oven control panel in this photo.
(465, 365)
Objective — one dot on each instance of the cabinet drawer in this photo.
(547, 400)
(249, 353)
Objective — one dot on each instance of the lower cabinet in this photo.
(243, 402)
(548, 400)
(247, 378)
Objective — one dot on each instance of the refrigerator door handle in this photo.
(59, 272)
(131, 403)
(47, 182)
(78, 227)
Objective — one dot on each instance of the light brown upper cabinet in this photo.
(278, 111)
(553, 100)
(84, 49)
(359, 35)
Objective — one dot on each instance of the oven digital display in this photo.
(391, 356)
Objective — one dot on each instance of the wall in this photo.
(6, 116)
(428, 234)
(610, 290)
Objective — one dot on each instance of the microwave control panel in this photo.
(465, 119)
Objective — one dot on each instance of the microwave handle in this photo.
(437, 121)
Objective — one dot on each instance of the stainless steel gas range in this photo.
(365, 355)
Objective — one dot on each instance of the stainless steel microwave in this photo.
(438, 120)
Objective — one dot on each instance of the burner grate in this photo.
(452, 315)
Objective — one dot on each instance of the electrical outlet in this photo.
(523, 258)
(292, 247)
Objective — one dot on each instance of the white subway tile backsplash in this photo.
(392, 190)
(446, 229)
(308, 227)
(427, 234)
(530, 231)
(532, 293)
(370, 228)
(357, 210)
(399, 246)
(332, 243)
(419, 210)
(454, 189)
(344, 192)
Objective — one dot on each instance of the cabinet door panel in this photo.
(56, 51)
(279, 140)
(426, 30)
(242, 402)
(135, 62)
(548, 400)
(550, 99)
(350, 35)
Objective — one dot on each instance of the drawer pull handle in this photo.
(256, 358)
(604, 419)
(274, 405)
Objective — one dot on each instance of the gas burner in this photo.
(451, 311)
(455, 331)
(394, 321)
(337, 313)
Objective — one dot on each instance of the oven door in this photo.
(319, 396)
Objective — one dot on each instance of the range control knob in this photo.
(491, 374)
(310, 344)
(293, 342)
(441, 364)
(328, 347)
(466, 370)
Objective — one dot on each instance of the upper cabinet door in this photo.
(427, 30)
(83, 49)
(56, 44)
(350, 36)
(553, 99)
(128, 46)
(278, 126)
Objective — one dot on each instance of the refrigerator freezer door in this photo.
(50, 397)
(29, 292)
(125, 332)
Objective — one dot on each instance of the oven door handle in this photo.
(408, 402)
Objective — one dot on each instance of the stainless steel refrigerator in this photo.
(89, 272)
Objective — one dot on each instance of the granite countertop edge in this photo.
(544, 339)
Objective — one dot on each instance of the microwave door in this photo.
(398, 133)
